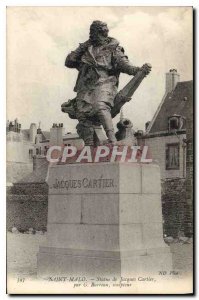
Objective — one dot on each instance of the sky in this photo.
(39, 39)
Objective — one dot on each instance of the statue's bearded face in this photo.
(98, 34)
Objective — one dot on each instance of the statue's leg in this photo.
(84, 128)
(85, 131)
(104, 115)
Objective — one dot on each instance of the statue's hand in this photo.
(146, 68)
(65, 104)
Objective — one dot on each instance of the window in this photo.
(30, 153)
(172, 156)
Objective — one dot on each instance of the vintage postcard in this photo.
(99, 159)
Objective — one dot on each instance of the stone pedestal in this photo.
(104, 219)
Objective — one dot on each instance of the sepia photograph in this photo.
(99, 150)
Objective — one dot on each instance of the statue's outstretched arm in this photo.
(122, 64)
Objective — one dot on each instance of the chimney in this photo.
(56, 134)
(33, 132)
(172, 78)
(147, 125)
(139, 133)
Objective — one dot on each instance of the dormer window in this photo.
(176, 122)
(173, 123)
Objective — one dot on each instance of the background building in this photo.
(166, 136)
(20, 148)
(27, 148)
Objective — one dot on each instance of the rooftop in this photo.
(175, 103)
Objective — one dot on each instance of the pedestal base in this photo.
(69, 262)
(104, 220)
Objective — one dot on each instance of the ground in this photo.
(22, 252)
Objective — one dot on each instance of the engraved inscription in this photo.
(84, 183)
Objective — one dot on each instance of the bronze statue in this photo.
(100, 60)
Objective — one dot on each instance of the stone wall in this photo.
(27, 206)
(173, 206)
(38, 162)
(189, 170)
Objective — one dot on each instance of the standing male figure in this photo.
(100, 60)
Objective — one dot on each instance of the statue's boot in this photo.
(111, 136)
